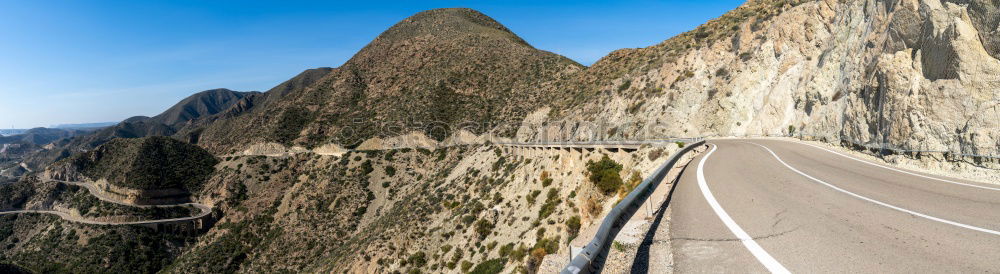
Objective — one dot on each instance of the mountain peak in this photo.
(442, 28)
(445, 22)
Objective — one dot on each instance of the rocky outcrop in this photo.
(914, 75)
(164, 196)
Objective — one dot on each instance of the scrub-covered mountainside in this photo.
(435, 71)
(144, 163)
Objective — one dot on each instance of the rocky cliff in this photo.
(913, 74)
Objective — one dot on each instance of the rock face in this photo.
(913, 74)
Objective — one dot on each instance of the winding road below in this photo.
(204, 210)
(779, 206)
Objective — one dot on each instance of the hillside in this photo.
(147, 163)
(433, 72)
(202, 104)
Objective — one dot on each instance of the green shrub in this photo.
(573, 226)
(722, 72)
(458, 255)
(519, 253)
(632, 183)
(604, 174)
(366, 167)
(531, 196)
(625, 85)
(679, 144)
(468, 219)
(490, 266)
(506, 250)
(550, 204)
(484, 228)
(418, 259)
(550, 245)
(618, 246)
(442, 153)
(390, 171)
(546, 182)
(466, 265)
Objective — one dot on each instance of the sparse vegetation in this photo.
(618, 246)
(147, 163)
(493, 266)
(573, 226)
(604, 174)
(418, 259)
(550, 204)
(484, 228)
(390, 171)
(625, 85)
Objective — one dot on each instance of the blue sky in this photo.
(71, 61)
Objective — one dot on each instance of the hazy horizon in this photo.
(108, 62)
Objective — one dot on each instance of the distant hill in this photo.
(84, 125)
(40, 136)
(197, 106)
(202, 104)
(11, 131)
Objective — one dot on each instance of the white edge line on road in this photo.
(918, 214)
(772, 265)
(900, 170)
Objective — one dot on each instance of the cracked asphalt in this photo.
(807, 226)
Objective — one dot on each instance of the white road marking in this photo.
(918, 214)
(900, 170)
(772, 265)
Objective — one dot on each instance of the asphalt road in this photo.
(204, 210)
(781, 206)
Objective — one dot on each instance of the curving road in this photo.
(204, 209)
(781, 206)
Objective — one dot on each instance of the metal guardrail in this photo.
(591, 258)
(603, 142)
